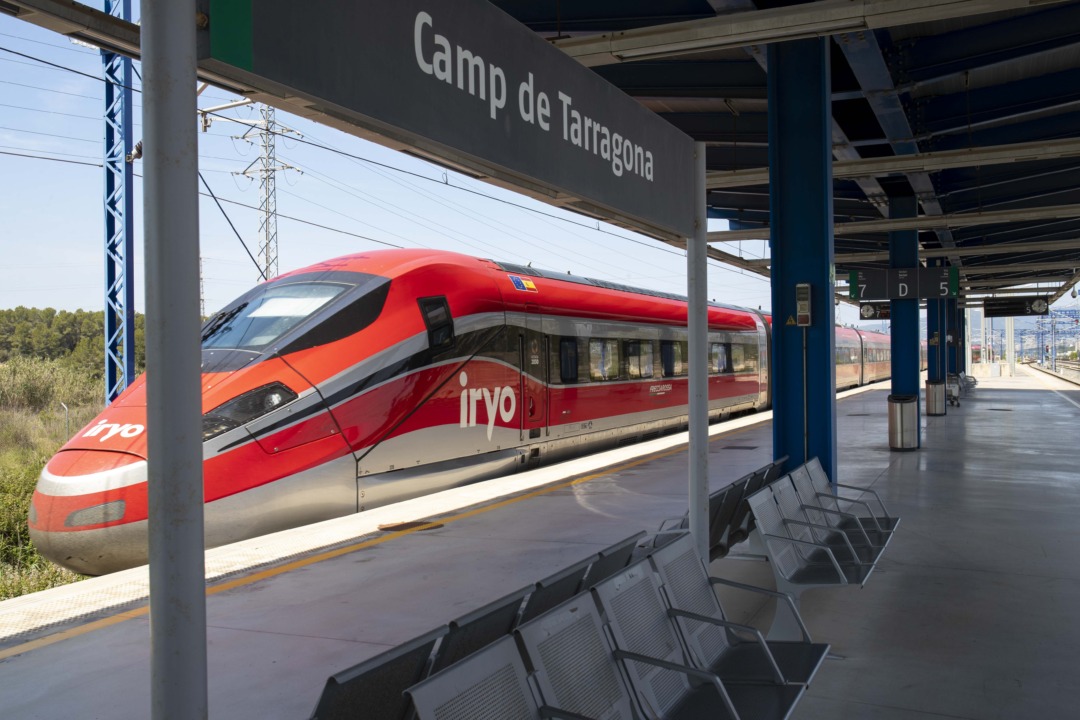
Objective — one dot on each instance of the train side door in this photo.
(534, 375)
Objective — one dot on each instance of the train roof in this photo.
(530, 271)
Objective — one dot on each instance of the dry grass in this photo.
(32, 429)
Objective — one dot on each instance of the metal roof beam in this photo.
(1002, 249)
(1027, 280)
(998, 104)
(1070, 282)
(922, 223)
(927, 162)
(816, 19)
(1037, 265)
(1009, 291)
(934, 58)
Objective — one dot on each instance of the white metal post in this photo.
(173, 397)
(698, 282)
(1010, 345)
(967, 341)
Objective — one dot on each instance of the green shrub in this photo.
(33, 426)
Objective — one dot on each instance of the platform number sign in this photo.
(802, 304)
(939, 282)
(904, 283)
(869, 285)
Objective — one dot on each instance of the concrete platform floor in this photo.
(974, 611)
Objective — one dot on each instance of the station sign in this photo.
(464, 82)
(1016, 306)
(904, 283)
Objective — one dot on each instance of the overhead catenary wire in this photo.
(229, 220)
(595, 228)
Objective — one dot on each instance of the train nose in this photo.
(88, 512)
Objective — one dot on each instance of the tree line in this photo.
(75, 337)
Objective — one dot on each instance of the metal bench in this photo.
(612, 559)
(479, 628)
(876, 516)
(374, 688)
(713, 642)
(822, 509)
(556, 589)
(652, 653)
(574, 667)
(799, 524)
(491, 684)
(798, 564)
(743, 522)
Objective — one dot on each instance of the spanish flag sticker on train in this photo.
(523, 284)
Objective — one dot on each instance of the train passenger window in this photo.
(672, 358)
(639, 359)
(440, 324)
(568, 360)
(738, 358)
(719, 358)
(604, 359)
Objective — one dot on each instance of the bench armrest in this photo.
(678, 524)
(854, 556)
(884, 510)
(706, 676)
(869, 511)
(829, 511)
(772, 593)
(791, 541)
(778, 675)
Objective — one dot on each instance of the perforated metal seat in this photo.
(374, 688)
(556, 589)
(798, 565)
(875, 516)
(822, 511)
(800, 525)
(574, 668)
(481, 627)
(653, 656)
(711, 638)
(721, 522)
(742, 521)
(491, 684)
(612, 559)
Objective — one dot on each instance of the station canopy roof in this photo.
(973, 106)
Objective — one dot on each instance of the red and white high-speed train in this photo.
(381, 376)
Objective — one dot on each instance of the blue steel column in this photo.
(119, 218)
(934, 353)
(801, 202)
(952, 314)
(904, 314)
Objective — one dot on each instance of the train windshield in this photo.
(263, 318)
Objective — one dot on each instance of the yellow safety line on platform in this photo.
(338, 552)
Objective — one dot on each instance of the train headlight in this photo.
(245, 408)
(96, 515)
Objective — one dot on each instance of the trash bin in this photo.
(903, 422)
(935, 397)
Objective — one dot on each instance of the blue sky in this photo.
(54, 219)
(54, 224)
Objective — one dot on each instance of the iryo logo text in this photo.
(499, 401)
